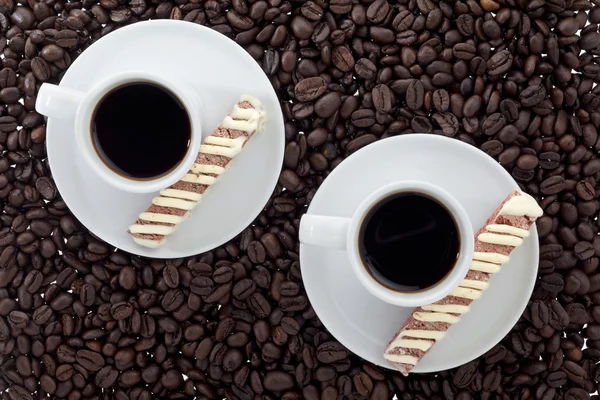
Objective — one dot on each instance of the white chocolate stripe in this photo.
(510, 230)
(199, 179)
(496, 238)
(420, 344)
(423, 334)
(236, 143)
(254, 102)
(181, 194)
(435, 317)
(402, 359)
(520, 206)
(242, 113)
(219, 150)
(155, 217)
(152, 229)
(466, 293)
(175, 203)
(262, 115)
(447, 308)
(245, 125)
(495, 258)
(487, 267)
(473, 284)
(207, 169)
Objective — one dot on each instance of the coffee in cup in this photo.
(141, 130)
(409, 241)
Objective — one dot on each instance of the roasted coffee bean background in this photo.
(516, 78)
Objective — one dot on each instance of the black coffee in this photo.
(409, 239)
(141, 130)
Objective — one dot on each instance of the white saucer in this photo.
(221, 71)
(362, 322)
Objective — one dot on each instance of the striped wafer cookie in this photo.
(175, 203)
(502, 232)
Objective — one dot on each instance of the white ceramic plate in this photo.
(362, 322)
(220, 71)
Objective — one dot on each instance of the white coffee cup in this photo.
(76, 107)
(343, 234)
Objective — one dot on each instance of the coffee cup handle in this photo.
(58, 102)
(324, 231)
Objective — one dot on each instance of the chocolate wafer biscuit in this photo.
(502, 232)
(175, 203)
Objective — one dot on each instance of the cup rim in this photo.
(445, 286)
(83, 121)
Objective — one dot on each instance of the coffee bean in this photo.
(310, 89)
(201, 285)
(290, 325)
(171, 276)
(447, 122)
(465, 374)
(327, 105)
(223, 274)
(549, 160)
(577, 394)
(90, 360)
(106, 377)
(363, 384)
(277, 381)
(585, 190)
(312, 11)
(289, 289)
(365, 68)
(406, 38)
(270, 352)
(403, 20)
(441, 100)
(552, 185)
(342, 58)
(377, 11)
(500, 63)
(129, 378)
(584, 250)
(16, 392)
(539, 314)
(87, 295)
(587, 41)
(553, 283)
(527, 161)
(331, 352)
(382, 98)
(414, 95)
(363, 118)
(7, 124)
(121, 310)
(41, 69)
(127, 278)
(64, 372)
(532, 95)
(244, 289)
(464, 51)
(261, 331)
(259, 305)
(297, 303)
(575, 372)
